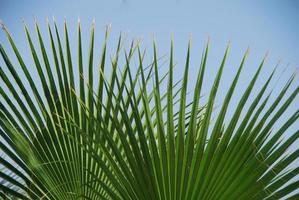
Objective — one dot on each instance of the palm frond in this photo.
(135, 134)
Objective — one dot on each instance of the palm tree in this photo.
(119, 134)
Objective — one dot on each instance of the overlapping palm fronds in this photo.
(84, 136)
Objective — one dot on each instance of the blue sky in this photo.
(262, 25)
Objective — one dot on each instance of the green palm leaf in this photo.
(135, 134)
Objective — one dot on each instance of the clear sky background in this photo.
(270, 25)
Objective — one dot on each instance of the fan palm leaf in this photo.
(135, 134)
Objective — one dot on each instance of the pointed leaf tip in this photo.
(266, 55)
(108, 28)
(247, 50)
(172, 36)
(209, 40)
(2, 25)
(190, 41)
(35, 19)
(190, 36)
(23, 21)
(278, 63)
